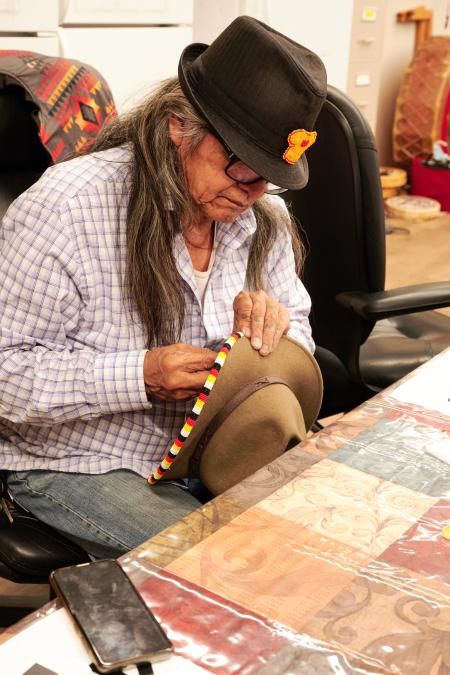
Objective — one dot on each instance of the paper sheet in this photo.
(430, 386)
(53, 643)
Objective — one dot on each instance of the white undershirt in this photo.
(201, 278)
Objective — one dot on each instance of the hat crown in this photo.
(255, 86)
(250, 44)
(245, 63)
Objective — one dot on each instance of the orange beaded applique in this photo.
(299, 141)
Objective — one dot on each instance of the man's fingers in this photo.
(200, 359)
(181, 394)
(174, 395)
(177, 371)
(271, 327)
(283, 326)
(258, 319)
(242, 306)
(193, 381)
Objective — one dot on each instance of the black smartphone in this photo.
(117, 626)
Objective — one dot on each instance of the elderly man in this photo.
(123, 271)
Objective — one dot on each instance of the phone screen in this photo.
(111, 615)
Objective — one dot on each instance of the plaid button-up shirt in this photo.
(72, 395)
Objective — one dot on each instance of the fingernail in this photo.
(247, 332)
(256, 342)
(264, 350)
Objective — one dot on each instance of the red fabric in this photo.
(445, 126)
(431, 182)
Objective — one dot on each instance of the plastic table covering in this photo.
(332, 559)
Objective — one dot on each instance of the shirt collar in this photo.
(229, 236)
(236, 233)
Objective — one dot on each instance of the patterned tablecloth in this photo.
(332, 559)
(340, 540)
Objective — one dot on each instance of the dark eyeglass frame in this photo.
(233, 159)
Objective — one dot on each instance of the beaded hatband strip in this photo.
(196, 410)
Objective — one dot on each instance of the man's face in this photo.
(218, 196)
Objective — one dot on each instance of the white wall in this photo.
(323, 26)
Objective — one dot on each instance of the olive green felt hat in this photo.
(259, 407)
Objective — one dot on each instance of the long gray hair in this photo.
(152, 282)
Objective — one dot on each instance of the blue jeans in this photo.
(106, 514)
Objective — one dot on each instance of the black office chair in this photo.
(367, 337)
(29, 549)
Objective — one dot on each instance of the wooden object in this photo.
(423, 18)
(408, 207)
(392, 179)
(422, 114)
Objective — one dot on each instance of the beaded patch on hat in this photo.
(196, 410)
(299, 140)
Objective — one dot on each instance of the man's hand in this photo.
(260, 318)
(177, 372)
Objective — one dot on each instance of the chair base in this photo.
(30, 550)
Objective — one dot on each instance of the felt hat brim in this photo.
(271, 420)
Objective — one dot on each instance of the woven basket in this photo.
(422, 113)
(412, 208)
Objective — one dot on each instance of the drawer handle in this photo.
(362, 104)
(367, 40)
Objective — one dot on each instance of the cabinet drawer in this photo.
(28, 16)
(363, 86)
(367, 36)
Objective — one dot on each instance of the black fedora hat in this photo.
(261, 92)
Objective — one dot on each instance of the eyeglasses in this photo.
(240, 172)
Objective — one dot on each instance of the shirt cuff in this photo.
(119, 382)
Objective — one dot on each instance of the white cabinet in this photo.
(28, 16)
(366, 46)
(125, 12)
(131, 59)
(132, 43)
(28, 25)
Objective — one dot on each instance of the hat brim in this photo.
(286, 410)
(273, 169)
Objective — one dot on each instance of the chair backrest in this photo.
(51, 109)
(23, 158)
(341, 215)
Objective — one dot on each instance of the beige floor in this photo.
(419, 255)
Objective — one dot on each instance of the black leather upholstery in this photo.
(23, 158)
(368, 337)
(30, 550)
(21, 147)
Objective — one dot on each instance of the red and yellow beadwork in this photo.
(196, 410)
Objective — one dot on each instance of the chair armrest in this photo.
(397, 301)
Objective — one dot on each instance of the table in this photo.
(330, 559)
